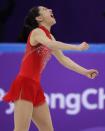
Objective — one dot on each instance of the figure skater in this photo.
(26, 91)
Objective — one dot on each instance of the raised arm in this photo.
(38, 36)
(70, 64)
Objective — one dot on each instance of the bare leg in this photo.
(22, 115)
(41, 118)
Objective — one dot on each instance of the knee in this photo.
(49, 128)
(21, 126)
(20, 129)
(46, 128)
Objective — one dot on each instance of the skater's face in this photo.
(46, 16)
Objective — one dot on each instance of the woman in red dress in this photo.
(26, 91)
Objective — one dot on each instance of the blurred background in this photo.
(76, 103)
(76, 20)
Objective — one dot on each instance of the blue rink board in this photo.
(20, 47)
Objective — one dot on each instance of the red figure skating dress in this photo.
(27, 84)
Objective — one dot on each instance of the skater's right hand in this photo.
(92, 73)
(83, 46)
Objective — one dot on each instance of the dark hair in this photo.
(29, 24)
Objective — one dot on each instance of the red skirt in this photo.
(26, 89)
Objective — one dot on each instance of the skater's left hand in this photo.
(92, 73)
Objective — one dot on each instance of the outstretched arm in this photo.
(70, 64)
(38, 36)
